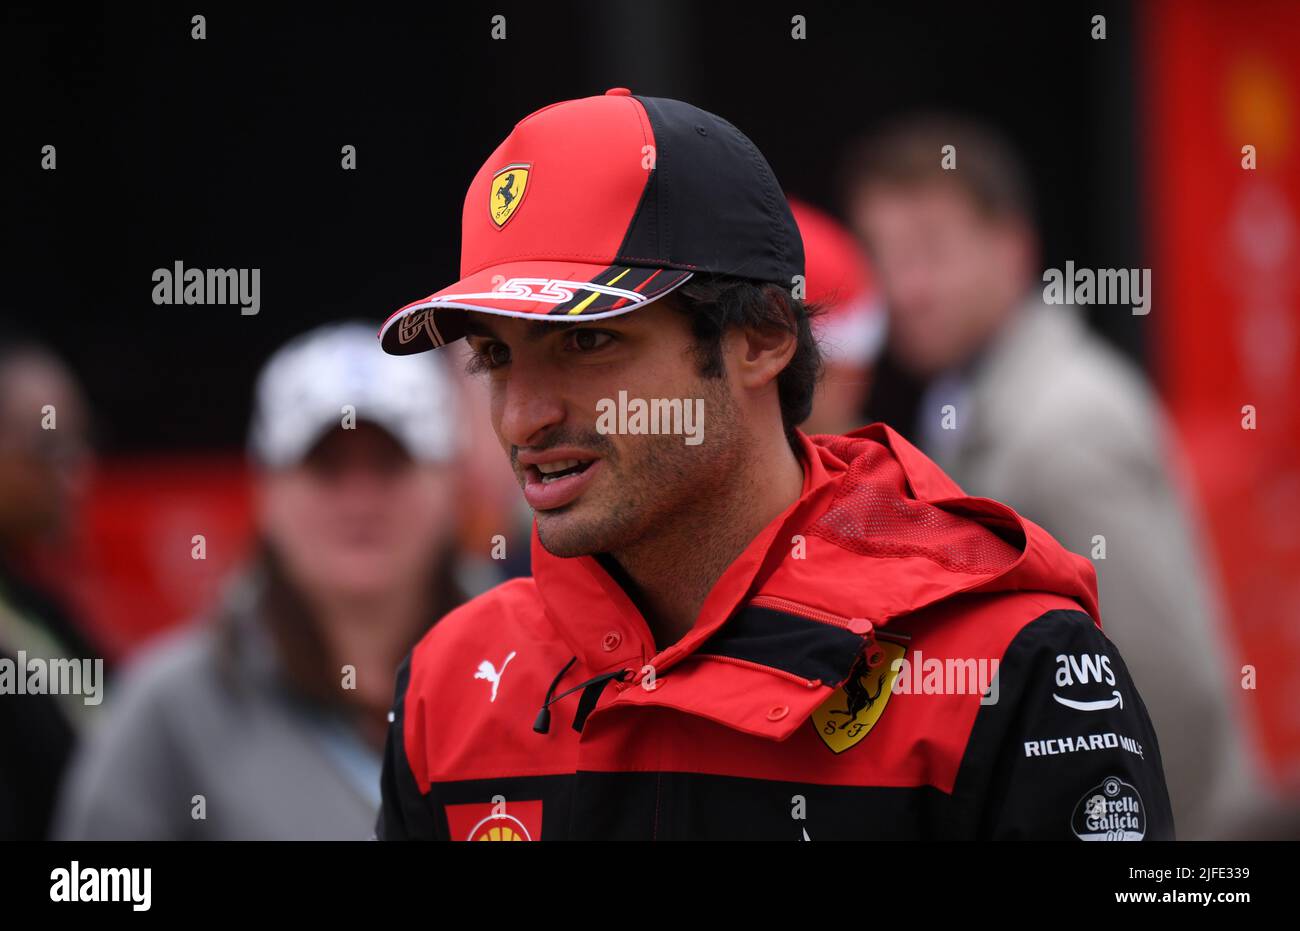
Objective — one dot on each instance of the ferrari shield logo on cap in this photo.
(853, 709)
(506, 192)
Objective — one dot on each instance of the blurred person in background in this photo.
(268, 721)
(1053, 421)
(851, 325)
(44, 460)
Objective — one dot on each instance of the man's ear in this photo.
(760, 354)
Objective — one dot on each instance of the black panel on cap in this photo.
(712, 203)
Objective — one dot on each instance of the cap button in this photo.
(618, 92)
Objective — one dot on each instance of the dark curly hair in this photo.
(715, 303)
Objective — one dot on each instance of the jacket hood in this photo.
(879, 532)
(918, 537)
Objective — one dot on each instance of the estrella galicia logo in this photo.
(1110, 811)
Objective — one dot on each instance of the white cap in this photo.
(317, 380)
(854, 334)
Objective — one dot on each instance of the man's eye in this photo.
(588, 340)
(488, 356)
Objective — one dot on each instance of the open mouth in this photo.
(550, 485)
(554, 471)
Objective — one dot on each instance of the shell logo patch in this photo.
(506, 192)
(853, 709)
(495, 821)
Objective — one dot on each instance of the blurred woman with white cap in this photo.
(267, 722)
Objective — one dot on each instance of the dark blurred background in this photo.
(225, 152)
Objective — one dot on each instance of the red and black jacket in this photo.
(888, 659)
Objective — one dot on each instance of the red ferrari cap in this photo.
(592, 208)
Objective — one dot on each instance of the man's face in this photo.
(950, 275)
(596, 492)
(43, 472)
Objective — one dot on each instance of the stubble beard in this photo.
(653, 487)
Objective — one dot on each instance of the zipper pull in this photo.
(872, 654)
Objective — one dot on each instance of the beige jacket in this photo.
(1058, 425)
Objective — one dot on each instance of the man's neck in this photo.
(672, 573)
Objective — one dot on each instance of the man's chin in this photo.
(563, 534)
(566, 532)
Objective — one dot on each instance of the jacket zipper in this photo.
(750, 664)
(858, 625)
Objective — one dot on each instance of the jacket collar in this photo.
(604, 629)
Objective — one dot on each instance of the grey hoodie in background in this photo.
(192, 718)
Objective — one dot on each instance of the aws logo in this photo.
(506, 192)
(495, 820)
(853, 709)
(1086, 669)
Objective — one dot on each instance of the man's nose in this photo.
(529, 406)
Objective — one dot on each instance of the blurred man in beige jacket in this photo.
(1024, 404)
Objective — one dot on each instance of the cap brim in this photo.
(555, 291)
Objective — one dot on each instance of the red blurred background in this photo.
(1223, 246)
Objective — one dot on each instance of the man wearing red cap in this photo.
(757, 635)
(851, 326)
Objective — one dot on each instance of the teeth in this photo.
(546, 468)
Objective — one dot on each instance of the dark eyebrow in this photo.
(476, 324)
